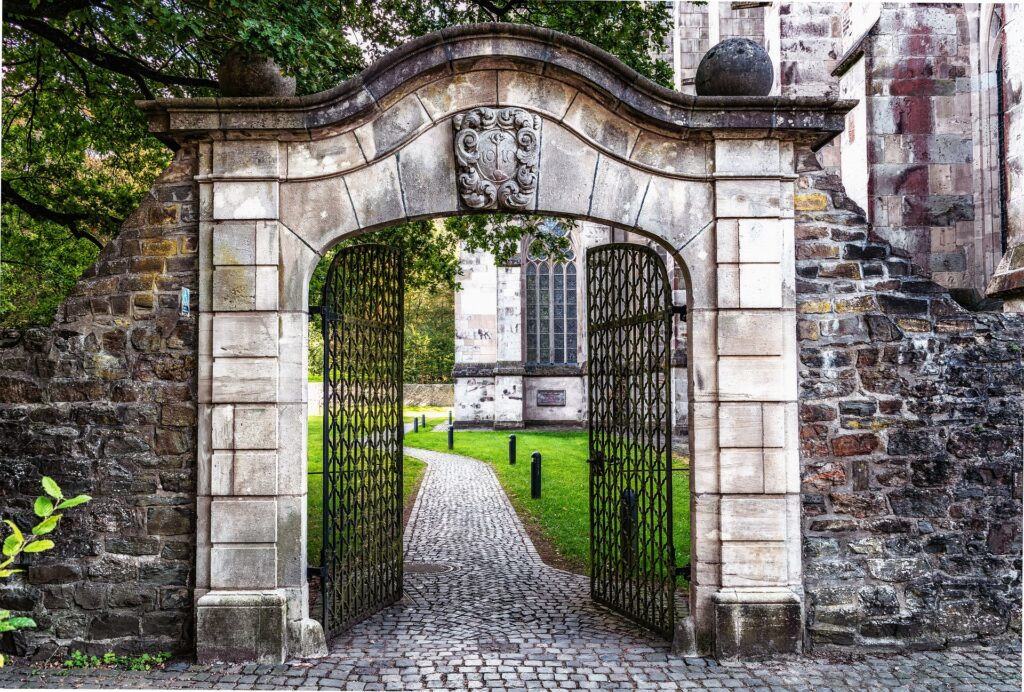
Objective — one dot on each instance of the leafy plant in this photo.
(110, 659)
(46, 507)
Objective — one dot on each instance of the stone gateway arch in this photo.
(480, 119)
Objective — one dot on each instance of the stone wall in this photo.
(920, 149)
(418, 394)
(911, 443)
(104, 402)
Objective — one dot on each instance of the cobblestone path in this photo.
(483, 611)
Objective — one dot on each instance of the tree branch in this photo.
(129, 67)
(39, 10)
(71, 221)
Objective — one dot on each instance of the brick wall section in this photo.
(911, 444)
(104, 402)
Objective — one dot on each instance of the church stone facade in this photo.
(932, 154)
(520, 333)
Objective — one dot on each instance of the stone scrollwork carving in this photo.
(497, 151)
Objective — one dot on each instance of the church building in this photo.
(932, 156)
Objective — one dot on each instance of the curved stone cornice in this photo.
(515, 47)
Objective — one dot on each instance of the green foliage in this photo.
(76, 156)
(17, 542)
(429, 335)
(112, 660)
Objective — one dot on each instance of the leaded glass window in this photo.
(550, 288)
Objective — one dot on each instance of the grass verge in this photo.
(559, 522)
(413, 476)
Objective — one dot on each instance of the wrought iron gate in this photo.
(629, 327)
(362, 479)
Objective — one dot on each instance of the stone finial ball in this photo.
(734, 67)
(243, 73)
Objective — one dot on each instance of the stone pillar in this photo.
(508, 370)
(251, 548)
(757, 601)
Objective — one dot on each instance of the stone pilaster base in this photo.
(757, 623)
(241, 626)
(508, 402)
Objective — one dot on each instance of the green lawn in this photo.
(562, 515)
(413, 468)
(435, 414)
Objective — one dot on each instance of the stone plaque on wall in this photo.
(551, 397)
(496, 149)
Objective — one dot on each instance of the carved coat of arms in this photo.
(496, 150)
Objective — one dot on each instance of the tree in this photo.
(76, 155)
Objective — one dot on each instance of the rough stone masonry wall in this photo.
(104, 402)
(911, 429)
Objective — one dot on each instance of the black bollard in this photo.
(423, 422)
(512, 449)
(415, 424)
(451, 437)
(449, 416)
(535, 476)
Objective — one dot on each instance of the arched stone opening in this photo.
(281, 180)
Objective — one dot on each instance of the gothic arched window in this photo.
(550, 287)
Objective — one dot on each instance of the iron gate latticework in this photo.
(629, 327)
(362, 460)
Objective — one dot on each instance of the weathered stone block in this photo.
(398, 123)
(750, 333)
(565, 185)
(243, 567)
(234, 244)
(747, 156)
(532, 91)
(754, 563)
(234, 288)
(602, 127)
(255, 473)
(243, 521)
(244, 380)
(255, 427)
(748, 198)
(460, 92)
(753, 519)
(245, 200)
(242, 627)
(318, 211)
(741, 471)
(739, 425)
(376, 193)
(618, 192)
(751, 625)
(251, 334)
(246, 159)
(322, 157)
(427, 167)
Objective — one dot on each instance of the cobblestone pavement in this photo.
(497, 617)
